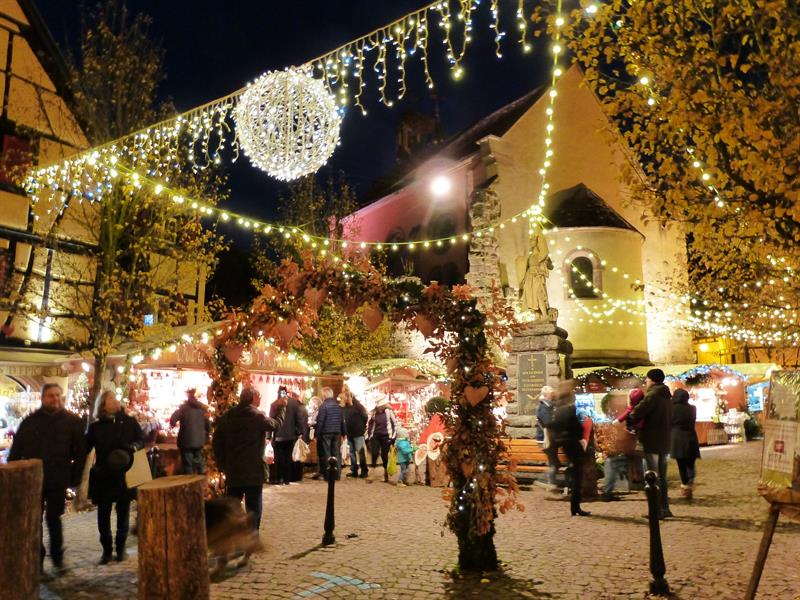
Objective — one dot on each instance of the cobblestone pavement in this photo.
(391, 543)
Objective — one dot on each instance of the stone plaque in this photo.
(531, 376)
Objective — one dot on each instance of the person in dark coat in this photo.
(329, 431)
(685, 447)
(293, 426)
(193, 434)
(114, 436)
(544, 415)
(571, 432)
(355, 420)
(238, 442)
(655, 410)
(382, 427)
(55, 436)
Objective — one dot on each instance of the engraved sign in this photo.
(532, 375)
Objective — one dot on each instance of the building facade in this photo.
(597, 233)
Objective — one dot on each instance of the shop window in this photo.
(583, 271)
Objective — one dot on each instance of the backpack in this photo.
(544, 414)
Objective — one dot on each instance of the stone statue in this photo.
(533, 284)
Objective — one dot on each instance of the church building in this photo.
(615, 272)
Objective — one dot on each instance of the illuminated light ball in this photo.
(441, 186)
(287, 123)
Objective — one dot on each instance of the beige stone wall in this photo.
(585, 153)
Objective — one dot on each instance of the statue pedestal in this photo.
(539, 353)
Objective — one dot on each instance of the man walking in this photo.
(329, 431)
(195, 426)
(238, 443)
(55, 436)
(655, 410)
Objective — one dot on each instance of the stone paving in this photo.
(391, 543)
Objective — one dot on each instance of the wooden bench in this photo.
(528, 456)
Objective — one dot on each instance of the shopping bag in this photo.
(300, 451)
(269, 453)
(139, 472)
(391, 468)
(345, 452)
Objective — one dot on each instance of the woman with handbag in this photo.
(115, 436)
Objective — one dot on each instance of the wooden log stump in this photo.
(20, 529)
(173, 559)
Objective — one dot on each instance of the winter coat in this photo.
(330, 419)
(239, 441)
(684, 437)
(544, 415)
(405, 452)
(295, 422)
(355, 419)
(57, 439)
(382, 424)
(195, 425)
(109, 433)
(656, 411)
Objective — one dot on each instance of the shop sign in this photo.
(531, 377)
(780, 464)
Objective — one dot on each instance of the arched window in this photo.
(583, 274)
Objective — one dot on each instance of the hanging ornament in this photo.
(287, 123)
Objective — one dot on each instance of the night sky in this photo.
(213, 48)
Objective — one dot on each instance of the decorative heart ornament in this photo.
(287, 330)
(424, 325)
(372, 317)
(475, 395)
(233, 352)
(314, 297)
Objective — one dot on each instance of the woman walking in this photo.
(115, 436)
(382, 428)
(569, 431)
(685, 448)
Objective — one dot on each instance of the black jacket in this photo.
(239, 440)
(355, 419)
(120, 432)
(195, 426)
(57, 439)
(295, 421)
(656, 410)
(684, 437)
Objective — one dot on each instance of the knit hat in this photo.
(656, 375)
(635, 396)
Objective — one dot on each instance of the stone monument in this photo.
(540, 352)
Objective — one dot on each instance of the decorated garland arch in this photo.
(460, 334)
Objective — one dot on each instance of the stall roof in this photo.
(748, 370)
(162, 336)
(376, 368)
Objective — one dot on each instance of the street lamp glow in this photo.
(441, 186)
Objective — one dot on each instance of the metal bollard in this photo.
(328, 537)
(658, 569)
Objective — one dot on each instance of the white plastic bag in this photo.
(269, 453)
(300, 451)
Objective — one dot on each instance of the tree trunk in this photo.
(20, 529)
(97, 382)
(476, 552)
(173, 560)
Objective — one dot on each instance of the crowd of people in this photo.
(663, 423)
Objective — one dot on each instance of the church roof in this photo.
(459, 145)
(579, 206)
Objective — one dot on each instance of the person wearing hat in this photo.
(655, 412)
(55, 436)
(382, 427)
(115, 436)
